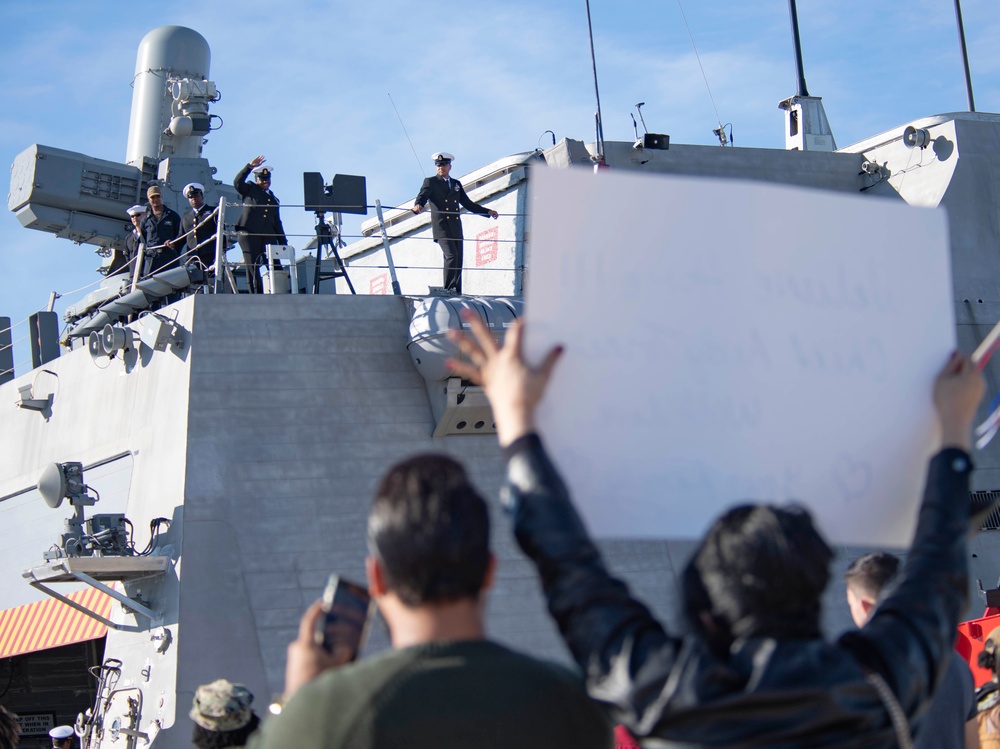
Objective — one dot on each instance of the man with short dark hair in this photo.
(755, 669)
(443, 684)
(161, 228)
(9, 729)
(950, 721)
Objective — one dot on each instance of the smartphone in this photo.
(347, 614)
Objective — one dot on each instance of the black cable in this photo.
(130, 537)
(10, 678)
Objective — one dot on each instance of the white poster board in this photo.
(728, 341)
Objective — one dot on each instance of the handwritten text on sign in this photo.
(730, 342)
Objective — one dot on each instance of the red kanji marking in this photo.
(379, 284)
(487, 246)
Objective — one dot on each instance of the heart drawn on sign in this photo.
(852, 477)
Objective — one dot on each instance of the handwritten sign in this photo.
(730, 342)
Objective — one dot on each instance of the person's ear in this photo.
(491, 570)
(376, 578)
(866, 605)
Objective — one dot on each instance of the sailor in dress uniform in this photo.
(260, 222)
(447, 197)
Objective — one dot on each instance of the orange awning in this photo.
(51, 624)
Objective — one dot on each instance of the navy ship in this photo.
(184, 464)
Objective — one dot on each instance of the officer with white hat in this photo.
(62, 737)
(260, 223)
(447, 197)
(199, 225)
(121, 259)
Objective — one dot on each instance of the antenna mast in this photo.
(965, 56)
(597, 92)
(806, 125)
(794, 16)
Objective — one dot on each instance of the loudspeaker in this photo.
(656, 141)
(916, 137)
(115, 338)
(95, 346)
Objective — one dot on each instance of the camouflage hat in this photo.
(221, 706)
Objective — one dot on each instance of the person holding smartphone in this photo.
(444, 683)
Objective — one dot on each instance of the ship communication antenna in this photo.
(655, 141)
(806, 125)
(420, 164)
(103, 534)
(597, 93)
(720, 131)
(638, 108)
(965, 55)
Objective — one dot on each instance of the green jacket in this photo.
(475, 694)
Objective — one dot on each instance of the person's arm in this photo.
(610, 634)
(240, 183)
(423, 196)
(178, 239)
(466, 201)
(972, 734)
(909, 637)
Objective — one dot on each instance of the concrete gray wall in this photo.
(297, 407)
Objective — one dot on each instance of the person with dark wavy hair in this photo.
(444, 684)
(755, 670)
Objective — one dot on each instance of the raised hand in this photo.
(958, 390)
(306, 658)
(513, 387)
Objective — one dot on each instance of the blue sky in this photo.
(307, 83)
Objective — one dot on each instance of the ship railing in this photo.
(220, 277)
(11, 335)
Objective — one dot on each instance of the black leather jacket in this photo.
(673, 691)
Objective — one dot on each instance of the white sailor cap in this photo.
(136, 210)
(61, 732)
(263, 171)
(192, 186)
(442, 157)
